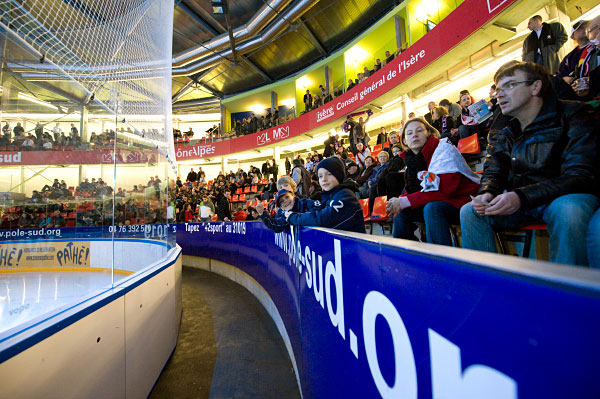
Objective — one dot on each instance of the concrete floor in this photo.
(228, 346)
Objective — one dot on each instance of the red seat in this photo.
(264, 181)
(524, 235)
(242, 197)
(234, 198)
(377, 148)
(248, 204)
(364, 204)
(70, 223)
(253, 189)
(214, 218)
(246, 190)
(239, 190)
(379, 213)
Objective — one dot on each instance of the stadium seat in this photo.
(364, 204)
(264, 181)
(242, 197)
(234, 198)
(214, 218)
(524, 235)
(379, 213)
(239, 190)
(253, 189)
(246, 189)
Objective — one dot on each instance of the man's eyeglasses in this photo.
(593, 28)
(512, 85)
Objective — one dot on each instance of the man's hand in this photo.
(226, 219)
(287, 214)
(504, 204)
(481, 202)
(568, 79)
(260, 208)
(454, 131)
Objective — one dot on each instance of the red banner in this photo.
(73, 157)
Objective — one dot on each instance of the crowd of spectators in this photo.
(88, 204)
(322, 97)
(200, 200)
(43, 138)
(364, 75)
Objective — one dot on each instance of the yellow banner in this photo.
(45, 254)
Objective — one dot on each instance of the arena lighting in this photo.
(289, 102)
(304, 82)
(26, 97)
(356, 54)
(257, 108)
(218, 6)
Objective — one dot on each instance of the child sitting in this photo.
(339, 208)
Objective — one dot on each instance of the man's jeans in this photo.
(567, 218)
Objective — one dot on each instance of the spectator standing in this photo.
(39, 131)
(308, 101)
(389, 57)
(56, 131)
(18, 130)
(301, 177)
(274, 169)
(223, 206)
(288, 166)
(360, 131)
(192, 176)
(378, 65)
(74, 131)
(382, 137)
(266, 169)
(542, 167)
(543, 43)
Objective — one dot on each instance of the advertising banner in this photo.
(45, 254)
(369, 320)
(74, 157)
(456, 27)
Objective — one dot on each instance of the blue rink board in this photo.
(414, 321)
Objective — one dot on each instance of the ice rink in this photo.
(30, 297)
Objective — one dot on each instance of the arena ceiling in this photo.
(273, 39)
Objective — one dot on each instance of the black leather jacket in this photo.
(557, 154)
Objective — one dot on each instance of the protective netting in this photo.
(119, 51)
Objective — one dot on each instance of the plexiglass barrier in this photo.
(85, 149)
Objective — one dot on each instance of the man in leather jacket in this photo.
(541, 167)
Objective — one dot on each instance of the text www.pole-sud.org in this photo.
(18, 233)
